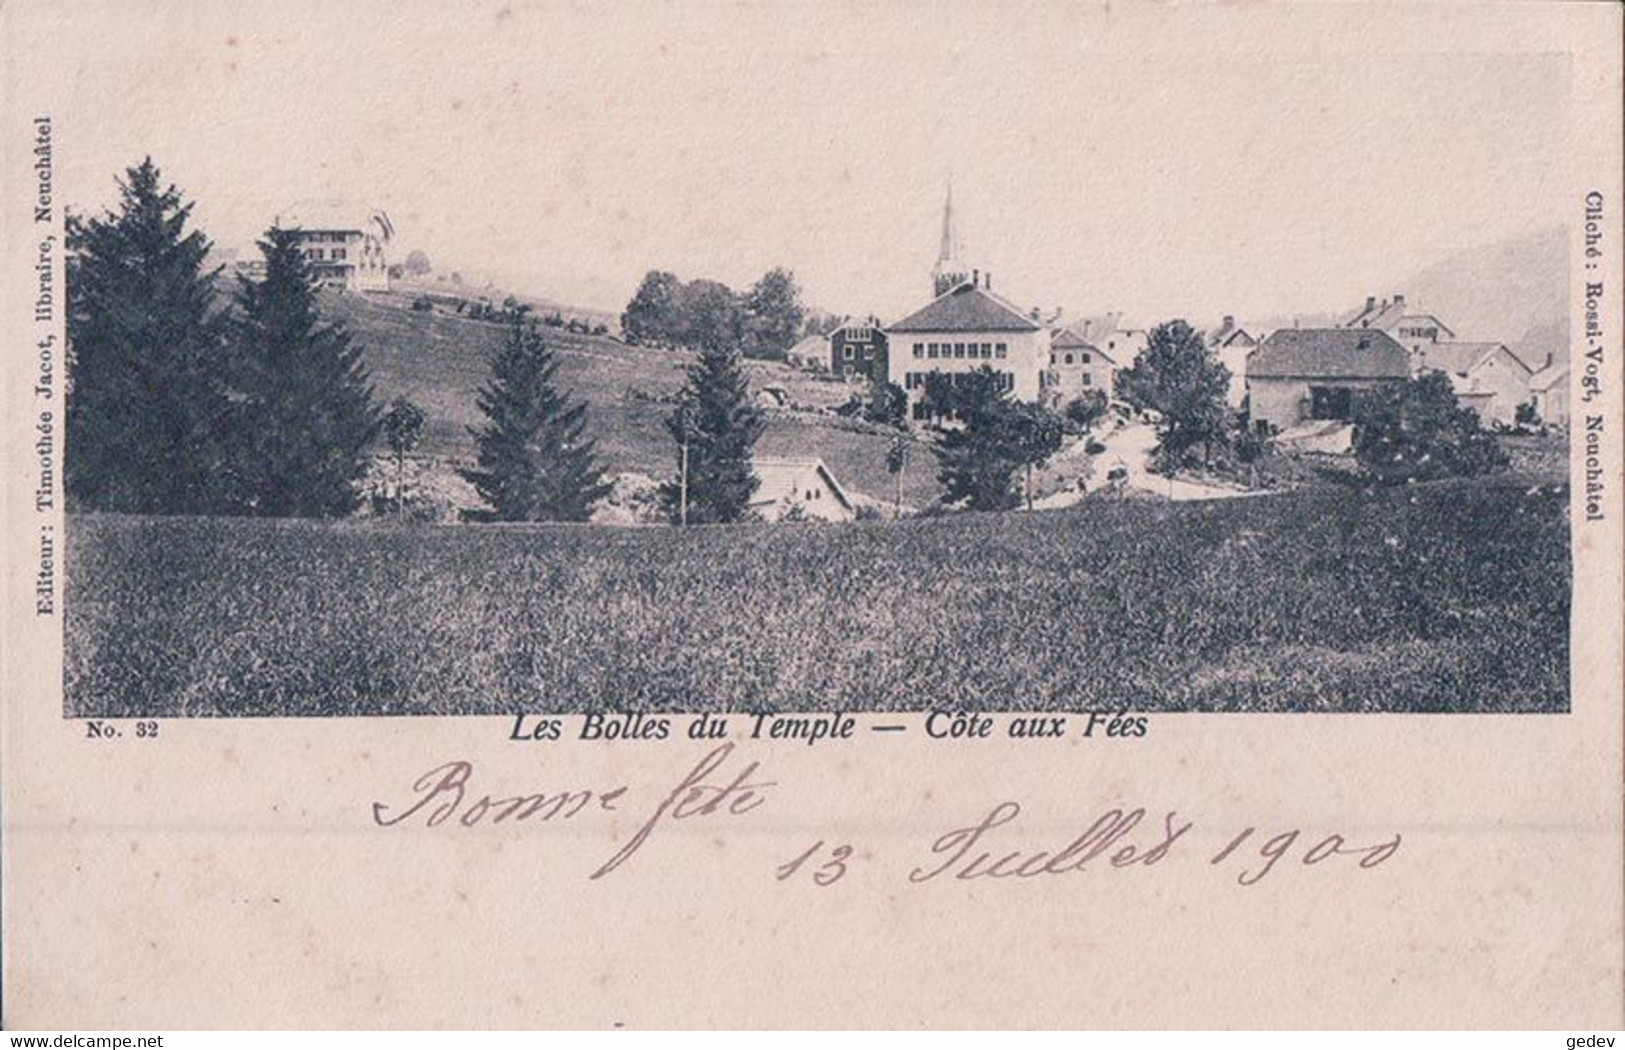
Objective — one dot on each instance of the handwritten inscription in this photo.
(723, 787)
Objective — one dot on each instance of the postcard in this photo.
(788, 515)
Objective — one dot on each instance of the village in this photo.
(1293, 387)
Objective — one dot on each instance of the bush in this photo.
(1414, 430)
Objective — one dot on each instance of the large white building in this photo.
(965, 328)
(346, 244)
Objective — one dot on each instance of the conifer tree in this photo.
(715, 427)
(146, 413)
(306, 416)
(534, 462)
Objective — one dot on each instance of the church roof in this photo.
(966, 308)
(949, 254)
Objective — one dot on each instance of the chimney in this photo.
(976, 278)
(1229, 320)
(1370, 303)
(987, 281)
(1399, 300)
(1549, 359)
(1033, 313)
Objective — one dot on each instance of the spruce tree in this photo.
(306, 415)
(534, 462)
(146, 413)
(717, 423)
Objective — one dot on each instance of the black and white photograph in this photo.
(854, 367)
(532, 515)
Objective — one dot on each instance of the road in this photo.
(1130, 446)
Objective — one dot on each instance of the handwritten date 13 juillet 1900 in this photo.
(989, 844)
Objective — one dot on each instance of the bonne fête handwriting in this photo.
(721, 788)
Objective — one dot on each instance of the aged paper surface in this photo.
(1324, 754)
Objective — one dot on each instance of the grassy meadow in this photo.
(1447, 597)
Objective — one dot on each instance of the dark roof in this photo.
(1329, 353)
(966, 308)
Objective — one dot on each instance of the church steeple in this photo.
(950, 271)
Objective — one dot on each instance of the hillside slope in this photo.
(1515, 291)
(440, 360)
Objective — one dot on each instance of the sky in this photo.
(1183, 160)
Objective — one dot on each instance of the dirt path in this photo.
(1130, 446)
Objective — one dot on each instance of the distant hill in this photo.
(1514, 291)
(440, 360)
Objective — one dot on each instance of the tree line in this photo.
(763, 321)
(179, 405)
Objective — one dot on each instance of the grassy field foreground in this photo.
(1447, 597)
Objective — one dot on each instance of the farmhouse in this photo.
(346, 244)
(1549, 388)
(1487, 377)
(1123, 345)
(857, 350)
(1412, 328)
(799, 488)
(1300, 374)
(1075, 367)
(1233, 345)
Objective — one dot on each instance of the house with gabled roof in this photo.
(1301, 374)
(345, 243)
(1233, 345)
(857, 349)
(799, 488)
(1076, 366)
(1549, 389)
(1409, 326)
(965, 329)
(1487, 377)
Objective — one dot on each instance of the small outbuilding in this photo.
(799, 489)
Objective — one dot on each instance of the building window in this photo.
(846, 351)
(987, 349)
(1087, 359)
(919, 349)
(1068, 358)
(959, 349)
(338, 253)
(1002, 350)
(1088, 380)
